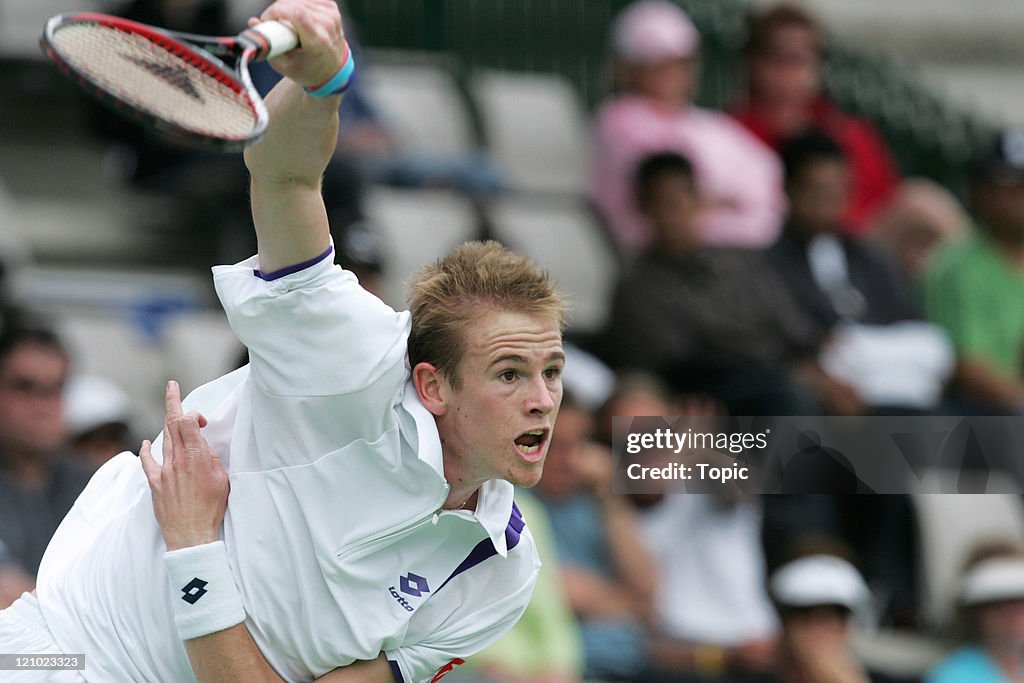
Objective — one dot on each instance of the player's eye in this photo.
(552, 373)
(508, 375)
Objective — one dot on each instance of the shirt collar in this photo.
(494, 503)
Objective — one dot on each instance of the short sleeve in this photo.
(312, 330)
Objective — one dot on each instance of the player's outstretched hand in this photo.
(190, 488)
(321, 39)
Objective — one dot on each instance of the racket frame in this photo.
(206, 53)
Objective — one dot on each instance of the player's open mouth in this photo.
(531, 444)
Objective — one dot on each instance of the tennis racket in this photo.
(194, 88)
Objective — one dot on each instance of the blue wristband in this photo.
(339, 82)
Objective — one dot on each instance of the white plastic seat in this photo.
(111, 346)
(417, 227)
(422, 107)
(949, 526)
(199, 347)
(535, 128)
(21, 22)
(562, 237)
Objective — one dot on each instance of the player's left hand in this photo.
(190, 488)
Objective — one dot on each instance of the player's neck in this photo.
(464, 488)
(461, 500)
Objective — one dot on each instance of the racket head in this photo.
(159, 80)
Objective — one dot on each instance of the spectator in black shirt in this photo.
(852, 291)
(38, 484)
(713, 321)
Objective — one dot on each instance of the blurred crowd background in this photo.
(750, 215)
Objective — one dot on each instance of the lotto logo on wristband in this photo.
(193, 590)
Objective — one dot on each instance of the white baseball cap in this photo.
(820, 580)
(653, 31)
(996, 580)
(91, 401)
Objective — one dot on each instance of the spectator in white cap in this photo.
(816, 595)
(98, 417)
(992, 607)
(655, 51)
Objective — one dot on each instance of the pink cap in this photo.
(653, 31)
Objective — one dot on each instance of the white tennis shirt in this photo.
(332, 528)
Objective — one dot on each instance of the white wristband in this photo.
(203, 591)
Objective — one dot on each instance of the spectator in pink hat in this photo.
(655, 50)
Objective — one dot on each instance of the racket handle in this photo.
(280, 37)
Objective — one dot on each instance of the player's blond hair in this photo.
(475, 278)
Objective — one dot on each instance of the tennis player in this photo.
(370, 534)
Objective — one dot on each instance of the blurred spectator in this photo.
(98, 417)
(636, 394)
(713, 321)
(992, 609)
(38, 483)
(655, 51)
(879, 346)
(713, 619)
(975, 290)
(816, 594)
(921, 218)
(544, 646)
(13, 579)
(784, 98)
(606, 570)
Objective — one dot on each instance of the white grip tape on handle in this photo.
(279, 35)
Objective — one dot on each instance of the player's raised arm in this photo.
(287, 163)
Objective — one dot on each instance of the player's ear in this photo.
(432, 388)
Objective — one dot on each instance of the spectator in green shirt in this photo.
(976, 290)
(545, 646)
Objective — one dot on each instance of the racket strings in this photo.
(178, 87)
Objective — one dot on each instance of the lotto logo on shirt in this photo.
(446, 669)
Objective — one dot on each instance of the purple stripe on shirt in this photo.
(396, 672)
(515, 527)
(277, 274)
(485, 548)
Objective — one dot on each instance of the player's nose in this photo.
(541, 400)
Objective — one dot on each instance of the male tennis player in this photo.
(370, 534)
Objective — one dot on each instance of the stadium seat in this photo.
(949, 525)
(417, 227)
(21, 22)
(199, 347)
(561, 235)
(422, 106)
(535, 128)
(113, 347)
(14, 249)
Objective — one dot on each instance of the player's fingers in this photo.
(199, 417)
(172, 410)
(172, 400)
(149, 464)
(188, 427)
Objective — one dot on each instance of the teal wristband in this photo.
(339, 82)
